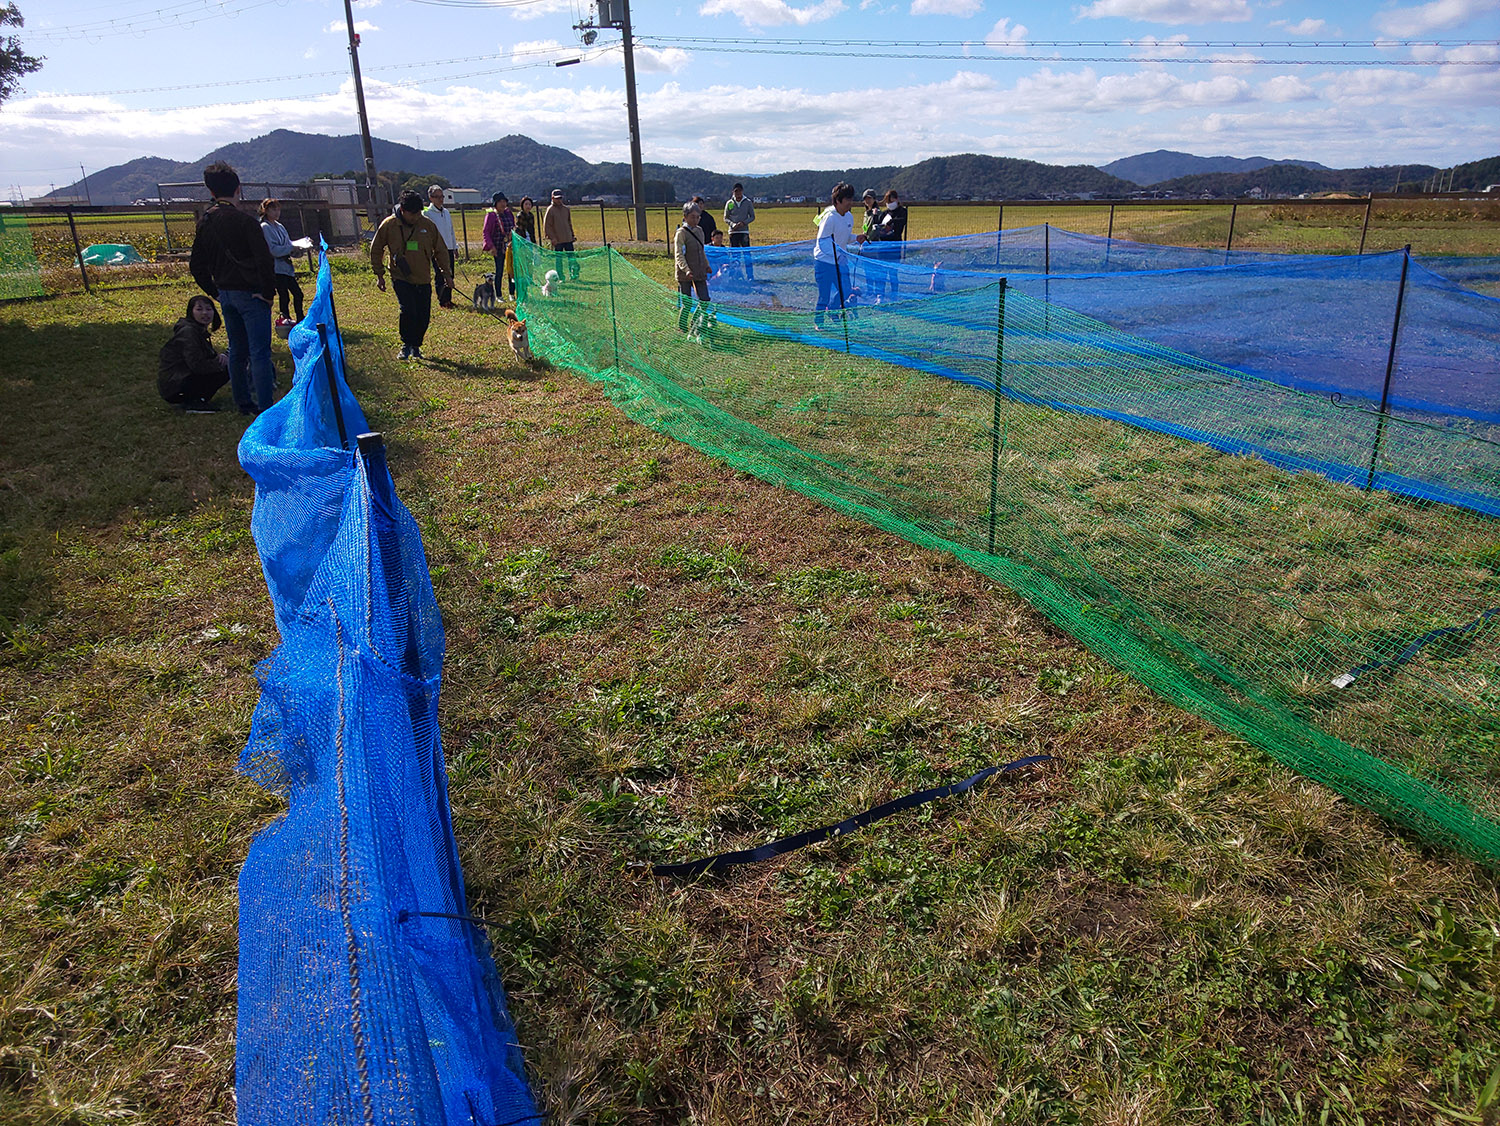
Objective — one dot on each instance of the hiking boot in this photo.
(416, 353)
(404, 353)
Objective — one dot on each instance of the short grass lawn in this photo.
(1160, 926)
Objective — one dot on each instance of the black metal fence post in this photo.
(1364, 230)
(463, 219)
(666, 219)
(1111, 234)
(603, 231)
(1390, 367)
(166, 230)
(1229, 242)
(838, 276)
(614, 320)
(78, 250)
(995, 419)
(333, 386)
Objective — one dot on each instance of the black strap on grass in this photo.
(691, 868)
(1413, 649)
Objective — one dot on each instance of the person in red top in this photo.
(499, 222)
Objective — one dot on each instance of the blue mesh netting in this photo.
(1314, 322)
(358, 1001)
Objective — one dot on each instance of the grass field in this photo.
(650, 653)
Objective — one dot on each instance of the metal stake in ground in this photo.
(1390, 367)
(995, 421)
(614, 322)
(78, 251)
(838, 276)
(333, 386)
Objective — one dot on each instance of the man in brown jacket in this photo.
(416, 251)
(557, 229)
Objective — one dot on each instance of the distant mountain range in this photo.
(1150, 168)
(520, 166)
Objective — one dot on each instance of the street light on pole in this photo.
(615, 14)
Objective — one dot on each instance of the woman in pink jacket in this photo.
(499, 221)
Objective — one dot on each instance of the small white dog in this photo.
(550, 284)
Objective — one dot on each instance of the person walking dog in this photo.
(417, 253)
(442, 219)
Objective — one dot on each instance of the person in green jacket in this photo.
(739, 213)
(417, 253)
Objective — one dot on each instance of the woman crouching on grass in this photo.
(190, 370)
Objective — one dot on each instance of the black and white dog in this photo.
(484, 294)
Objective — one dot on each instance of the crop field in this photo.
(1432, 227)
(652, 655)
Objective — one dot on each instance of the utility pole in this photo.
(615, 14)
(87, 195)
(359, 97)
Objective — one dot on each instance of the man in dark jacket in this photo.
(231, 261)
(705, 220)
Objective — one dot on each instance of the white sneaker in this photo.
(404, 354)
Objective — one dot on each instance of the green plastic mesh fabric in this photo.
(20, 276)
(1162, 510)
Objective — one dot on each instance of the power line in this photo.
(172, 15)
(587, 57)
(713, 47)
(303, 75)
(1217, 43)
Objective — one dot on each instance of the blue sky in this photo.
(720, 87)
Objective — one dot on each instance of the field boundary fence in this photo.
(41, 247)
(1149, 502)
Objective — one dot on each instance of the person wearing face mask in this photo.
(830, 251)
(874, 270)
(892, 224)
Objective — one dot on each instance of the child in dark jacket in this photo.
(190, 370)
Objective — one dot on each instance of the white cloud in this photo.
(1150, 47)
(1169, 11)
(772, 13)
(310, 53)
(1005, 38)
(962, 8)
(1303, 27)
(536, 9)
(1405, 22)
(1286, 88)
(360, 27)
(649, 60)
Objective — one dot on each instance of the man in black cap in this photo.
(417, 253)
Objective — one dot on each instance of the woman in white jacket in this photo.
(280, 244)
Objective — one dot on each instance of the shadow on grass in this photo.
(87, 440)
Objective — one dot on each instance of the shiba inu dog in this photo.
(518, 342)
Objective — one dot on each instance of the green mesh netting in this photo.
(20, 276)
(1161, 509)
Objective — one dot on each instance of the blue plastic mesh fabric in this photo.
(1315, 323)
(357, 1004)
